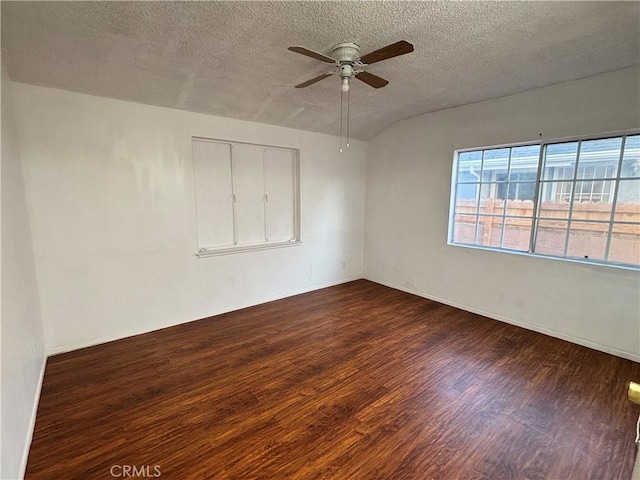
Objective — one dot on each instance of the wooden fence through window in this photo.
(585, 240)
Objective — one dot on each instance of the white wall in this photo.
(408, 189)
(110, 193)
(22, 346)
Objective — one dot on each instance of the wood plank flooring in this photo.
(357, 381)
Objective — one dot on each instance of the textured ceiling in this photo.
(231, 58)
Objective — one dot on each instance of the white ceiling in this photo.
(231, 58)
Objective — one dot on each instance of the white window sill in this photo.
(598, 263)
(211, 252)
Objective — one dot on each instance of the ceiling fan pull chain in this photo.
(341, 117)
(348, 114)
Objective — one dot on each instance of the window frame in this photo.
(202, 251)
(535, 216)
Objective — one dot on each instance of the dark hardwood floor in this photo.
(357, 381)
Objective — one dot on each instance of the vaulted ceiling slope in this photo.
(231, 58)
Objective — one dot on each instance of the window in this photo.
(577, 199)
(246, 196)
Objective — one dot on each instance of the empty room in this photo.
(320, 240)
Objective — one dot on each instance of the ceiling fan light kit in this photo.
(349, 63)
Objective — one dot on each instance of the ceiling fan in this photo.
(346, 57)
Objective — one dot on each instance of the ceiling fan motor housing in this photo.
(346, 52)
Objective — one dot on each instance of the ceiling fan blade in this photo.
(314, 80)
(390, 51)
(312, 54)
(371, 79)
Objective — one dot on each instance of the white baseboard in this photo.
(536, 328)
(69, 348)
(32, 421)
